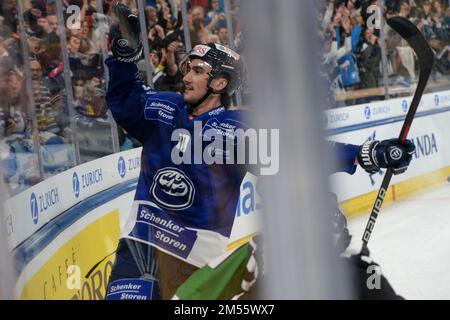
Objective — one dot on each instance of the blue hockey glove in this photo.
(126, 45)
(374, 155)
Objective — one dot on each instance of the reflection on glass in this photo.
(53, 114)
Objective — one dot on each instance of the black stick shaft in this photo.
(426, 59)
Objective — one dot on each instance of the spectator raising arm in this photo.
(171, 65)
(336, 53)
(328, 14)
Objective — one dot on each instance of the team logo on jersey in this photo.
(172, 189)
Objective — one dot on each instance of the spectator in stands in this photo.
(41, 85)
(159, 76)
(86, 37)
(214, 38)
(34, 46)
(175, 53)
(43, 23)
(51, 7)
(199, 32)
(78, 86)
(427, 20)
(443, 61)
(439, 27)
(216, 17)
(73, 44)
(356, 29)
(9, 14)
(437, 9)
(5, 58)
(369, 60)
(152, 17)
(31, 17)
(426, 10)
(341, 28)
(14, 104)
(52, 23)
(223, 35)
(400, 55)
(165, 16)
(405, 9)
(199, 3)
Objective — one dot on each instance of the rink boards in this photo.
(61, 228)
(430, 133)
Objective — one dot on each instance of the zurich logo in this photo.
(367, 112)
(34, 208)
(395, 153)
(325, 119)
(436, 100)
(75, 185)
(172, 189)
(404, 105)
(121, 168)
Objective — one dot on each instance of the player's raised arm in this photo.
(126, 89)
(373, 155)
(345, 156)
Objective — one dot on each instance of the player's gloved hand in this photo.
(126, 45)
(374, 155)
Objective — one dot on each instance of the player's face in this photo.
(195, 80)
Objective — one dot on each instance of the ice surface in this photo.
(411, 242)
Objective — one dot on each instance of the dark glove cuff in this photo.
(367, 158)
(124, 53)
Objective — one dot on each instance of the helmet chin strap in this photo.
(202, 99)
(210, 91)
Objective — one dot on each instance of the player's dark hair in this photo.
(225, 100)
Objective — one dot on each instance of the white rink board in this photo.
(431, 136)
(379, 110)
(115, 169)
(57, 194)
(430, 132)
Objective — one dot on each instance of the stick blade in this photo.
(415, 39)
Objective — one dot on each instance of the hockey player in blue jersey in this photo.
(182, 213)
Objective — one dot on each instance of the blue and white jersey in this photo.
(184, 209)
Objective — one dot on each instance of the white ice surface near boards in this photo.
(411, 242)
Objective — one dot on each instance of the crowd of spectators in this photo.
(37, 111)
(38, 108)
(352, 50)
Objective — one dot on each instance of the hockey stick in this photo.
(425, 56)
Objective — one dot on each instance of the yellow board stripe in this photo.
(361, 204)
(241, 241)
